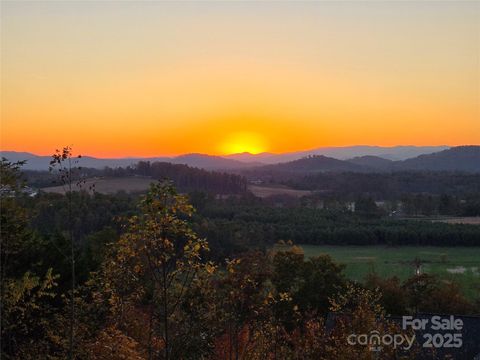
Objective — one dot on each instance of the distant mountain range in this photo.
(36, 162)
(342, 153)
(312, 163)
(354, 158)
(461, 158)
(373, 162)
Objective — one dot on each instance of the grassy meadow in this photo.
(106, 185)
(460, 264)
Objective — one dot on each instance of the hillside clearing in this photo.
(108, 185)
(458, 264)
(266, 191)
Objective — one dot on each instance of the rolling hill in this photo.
(208, 162)
(40, 162)
(460, 158)
(393, 153)
(372, 162)
(312, 164)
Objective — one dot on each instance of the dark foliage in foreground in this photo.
(147, 289)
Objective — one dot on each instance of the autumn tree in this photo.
(429, 294)
(156, 259)
(310, 282)
(393, 296)
(25, 297)
(65, 164)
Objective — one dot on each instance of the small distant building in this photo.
(350, 206)
(7, 191)
(256, 182)
(320, 204)
(222, 196)
(30, 191)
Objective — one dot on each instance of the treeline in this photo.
(94, 220)
(388, 185)
(152, 293)
(232, 226)
(238, 223)
(428, 205)
(259, 225)
(184, 177)
(419, 205)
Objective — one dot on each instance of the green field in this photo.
(460, 264)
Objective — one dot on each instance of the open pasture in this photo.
(460, 264)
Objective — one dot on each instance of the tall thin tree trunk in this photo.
(150, 331)
(165, 314)
(236, 341)
(2, 291)
(72, 255)
(230, 334)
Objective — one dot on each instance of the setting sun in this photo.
(243, 142)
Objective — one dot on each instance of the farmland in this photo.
(472, 220)
(105, 185)
(460, 264)
(133, 184)
(266, 191)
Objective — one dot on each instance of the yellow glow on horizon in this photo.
(241, 142)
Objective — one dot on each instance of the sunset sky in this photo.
(163, 78)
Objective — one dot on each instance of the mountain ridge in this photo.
(461, 158)
(398, 152)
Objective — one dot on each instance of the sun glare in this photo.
(243, 142)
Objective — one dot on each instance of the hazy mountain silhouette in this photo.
(38, 162)
(372, 162)
(341, 153)
(35, 162)
(208, 162)
(310, 164)
(462, 158)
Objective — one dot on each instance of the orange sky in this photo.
(163, 78)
